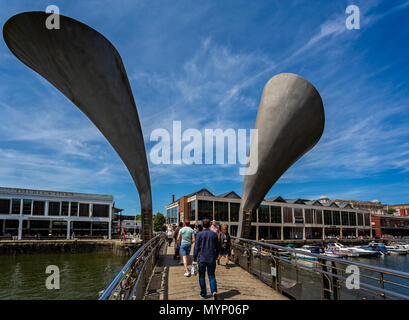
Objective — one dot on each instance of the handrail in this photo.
(127, 267)
(333, 274)
(320, 256)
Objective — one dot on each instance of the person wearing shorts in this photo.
(186, 238)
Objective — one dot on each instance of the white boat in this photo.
(309, 249)
(363, 252)
(350, 252)
(396, 249)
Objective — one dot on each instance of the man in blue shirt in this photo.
(206, 251)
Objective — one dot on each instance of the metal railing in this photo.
(304, 275)
(131, 281)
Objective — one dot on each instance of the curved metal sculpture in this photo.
(88, 70)
(290, 121)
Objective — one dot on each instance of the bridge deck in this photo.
(233, 284)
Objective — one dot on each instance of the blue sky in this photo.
(206, 65)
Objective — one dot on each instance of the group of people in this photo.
(211, 243)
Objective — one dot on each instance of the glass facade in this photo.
(345, 218)
(15, 206)
(309, 216)
(221, 211)
(39, 208)
(98, 210)
(234, 211)
(65, 206)
(205, 209)
(74, 209)
(4, 206)
(172, 215)
(263, 213)
(53, 208)
(327, 217)
(352, 218)
(191, 210)
(27, 206)
(288, 215)
(84, 210)
(298, 215)
(318, 216)
(336, 219)
(275, 214)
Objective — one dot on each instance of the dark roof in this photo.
(330, 204)
(313, 203)
(295, 201)
(275, 199)
(230, 194)
(201, 192)
(345, 205)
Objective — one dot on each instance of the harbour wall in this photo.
(120, 248)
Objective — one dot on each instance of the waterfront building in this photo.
(390, 225)
(276, 218)
(126, 223)
(400, 209)
(25, 213)
(373, 207)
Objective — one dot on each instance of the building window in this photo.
(352, 218)
(191, 210)
(309, 216)
(336, 218)
(275, 214)
(288, 215)
(327, 217)
(263, 214)
(53, 208)
(345, 218)
(74, 209)
(298, 218)
(205, 209)
(39, 208)
(367, 219)
(221, 211)
(15, 206)
(172, 215)
(254, 215)
(234, 211)
(5, 206)
(27, 206)
(100, 210)
(360, 219)
(84, 210)
(64, 208)
(318, 216)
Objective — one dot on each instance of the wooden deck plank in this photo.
(233, 284)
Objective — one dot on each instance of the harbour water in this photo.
(82, 275)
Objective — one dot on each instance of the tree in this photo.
(391, 211)
(138, 217)
(159, 221)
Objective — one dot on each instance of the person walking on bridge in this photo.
(206, 252)
(186, 238)
(176, 256)
(225, 245)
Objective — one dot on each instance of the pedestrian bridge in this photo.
(258, 271)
